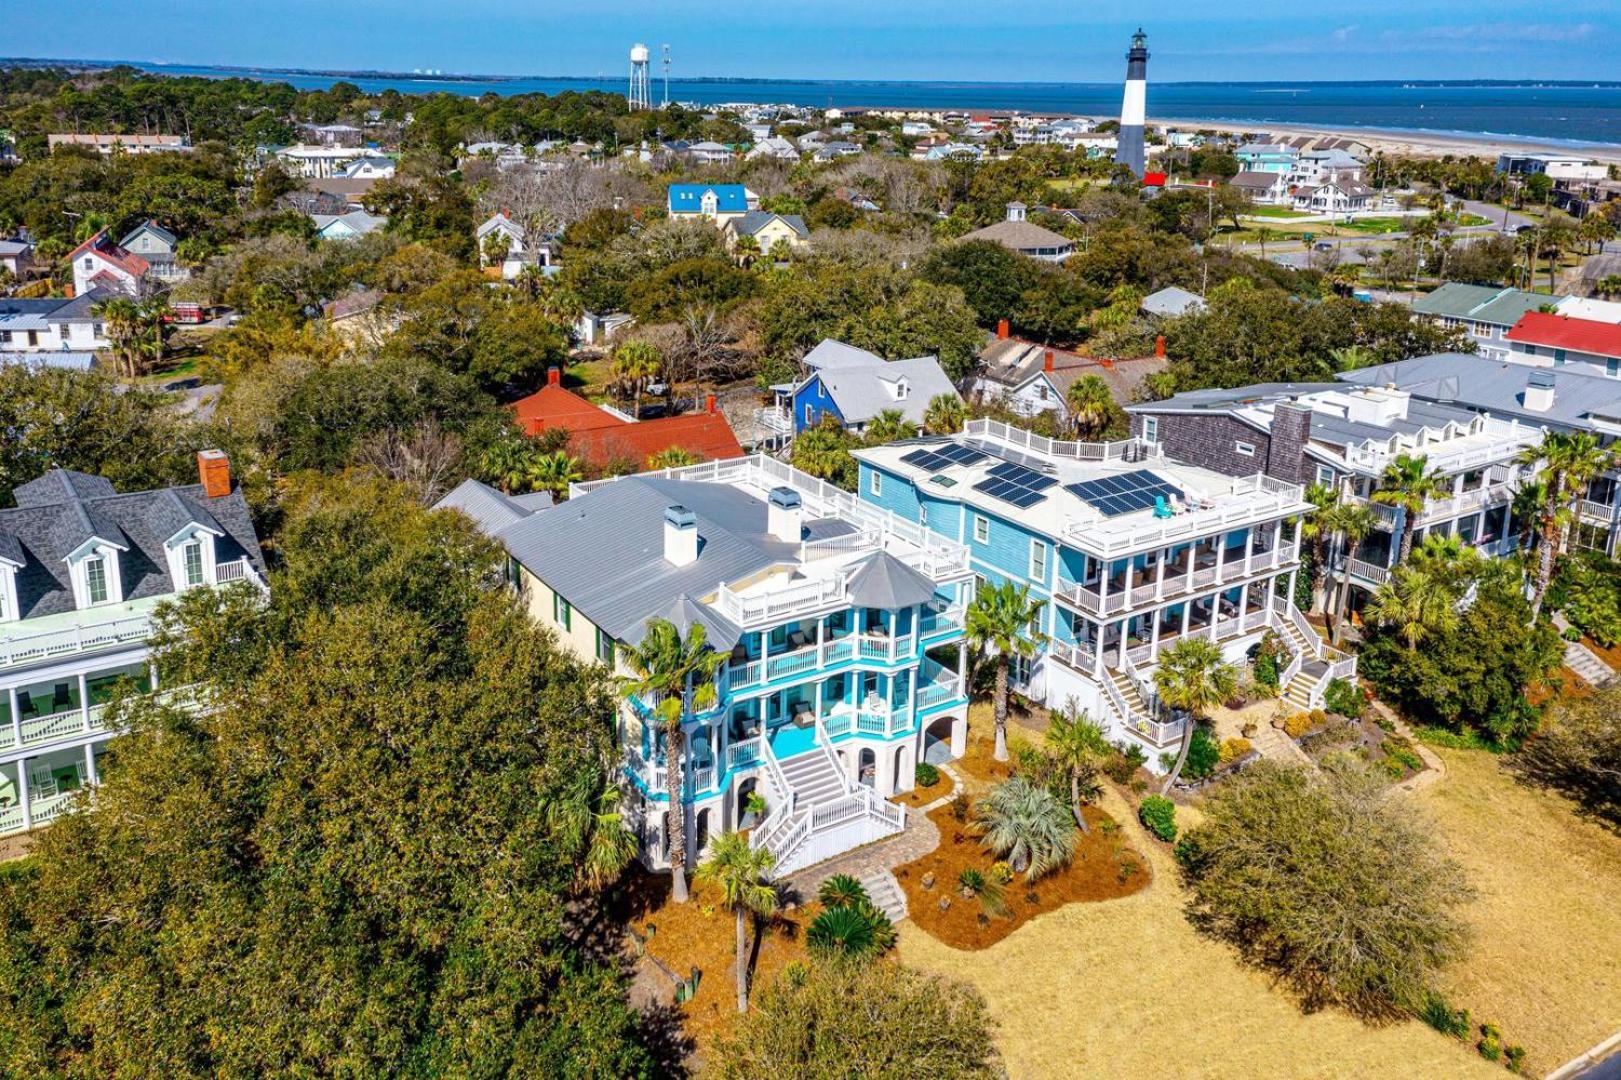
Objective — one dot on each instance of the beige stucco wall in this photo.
(581, 635)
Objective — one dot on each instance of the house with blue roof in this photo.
(717, 202)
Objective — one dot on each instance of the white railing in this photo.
(25, 647)
(1121, 450)
(775, 419)
(941, 622)
(1176, 582)
(1506, 438)
(42, 729)
(1603, 513)
(1158, 732)
(236, 570)
(1369, 571)
(745, 753)
(1248, 501)
(1146, 690)
(1297, 660)
(1075, 656)
(801, 598)
(43, 810)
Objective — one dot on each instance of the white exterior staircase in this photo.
(816, 811)
(1314, 663)
(886, 895)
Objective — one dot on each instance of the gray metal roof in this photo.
(1498, 387)
(1456, 299)
(883, 581)
(490, 509)
(1172, 301)
(755, 220)
(684, 613)
(61, 510)
(603, 551)
(862, 392)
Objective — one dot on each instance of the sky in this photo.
(1010, 41)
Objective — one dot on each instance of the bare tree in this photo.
(553, 194)
(426, 459)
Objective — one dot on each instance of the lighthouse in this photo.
(1132, 109)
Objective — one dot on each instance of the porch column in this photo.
(818, 701)
(1290, 595)
(1221, 554)
(917, 629)
(1249, 549)
(1103, 588)
(821, 639)
(911, 693)
(1271, 593)
(1193, 557)
(1243, 606)
(1125, 624)
(1159, 574)
(1097, 648)
(22, 793)
(1187, 613)
(152, 675)
(1153, 634)
(1277, 543)
(90, 763)
(84, 700)
(1131, 573)
(1480, 526)
(1215, 613)
(16, 717)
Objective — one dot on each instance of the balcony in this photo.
(1494, 495)
(1140, 589)
(869, 648)
(69, 633)
(1246, 501)
(775, 419)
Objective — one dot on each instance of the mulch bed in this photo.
(920, 797)
(1365, 739)
(1105, 867)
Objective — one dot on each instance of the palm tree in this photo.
(1571, 461)
(671, 457)
(945, 415)
(1351, 523)
(1192, 676)
(1027, 825)
(1314, 527)
(554, 472)
(1077, 745)
(122, 317)
(1003, 618)
(1091, 406)
(746, 248)
(1529, 501)
(677, 675)
(1609, 285)
(507, 463)
(1407, 484)
(589, 822)
(1416, 602)
(1352, 357)
(743, 875)
(635, 364)
(889, 426)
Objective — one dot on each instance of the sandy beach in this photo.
(1406, 143)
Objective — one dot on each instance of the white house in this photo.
(81, 569)
(53, 331)
(369, 168)
(1334, 197)
(101, 263)
(319, 161)
(350, 226)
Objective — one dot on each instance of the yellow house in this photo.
(768, 230)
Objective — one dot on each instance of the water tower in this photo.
(640, 96)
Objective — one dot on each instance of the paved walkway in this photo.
(918, 839)
(1277, 746)
(1586, 664)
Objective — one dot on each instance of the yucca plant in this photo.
(841, 890)
(992, 896)
(841, 932)
(1027, 825)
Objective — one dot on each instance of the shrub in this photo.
(1233, 749)
(1297, 725)
(1589, 592)
(1363, 918)
(1401, 751)
(1343, 698)
(992, 896)
(1443, 1017)
(841, 890)
(1490, 1045)
(1001, 873)
(927, 775)
(1027, 825)
(959, 807)
(841, 931)
(1158, 815)
(1578, 752)
(1514, 1057)
(1123, 765)
(883, 931)
(1203, 755)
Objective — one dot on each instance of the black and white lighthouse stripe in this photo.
(1133, 109)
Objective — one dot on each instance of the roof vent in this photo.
(680, 536)
(1539, 391)
(785, 516)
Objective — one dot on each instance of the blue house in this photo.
(852, 386)
(1266, 157)
(719, 202)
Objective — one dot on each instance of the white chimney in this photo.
(680, 536)
(786, 517)
(1539, 391)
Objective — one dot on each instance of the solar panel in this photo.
(927, 460)
(958, 454)
(1124, 493)
(1021, 475)
(935, 458)
(1008, 454)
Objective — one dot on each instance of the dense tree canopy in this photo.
(343, 864)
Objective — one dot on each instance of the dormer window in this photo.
(95, 579)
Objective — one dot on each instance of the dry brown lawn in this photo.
(1126, 988)
(1546, 963)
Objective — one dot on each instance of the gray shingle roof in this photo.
(861, 392)
(603, 551)
(1172, 301)
(61, 510)
(755, 220)
(1020, 236)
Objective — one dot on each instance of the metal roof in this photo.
(1498, 387)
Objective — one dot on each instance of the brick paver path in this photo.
(918, 839)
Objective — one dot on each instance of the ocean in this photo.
(1559, 113)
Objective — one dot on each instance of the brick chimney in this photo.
(1159, 346)
(1001, 330)
(709, 404)
(554, 376)
(1047, 360)
(214, 471)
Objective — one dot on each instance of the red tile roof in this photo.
(108, 251)
(1153, 179)
(599, 437)
(1563, 332)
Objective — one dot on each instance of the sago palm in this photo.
(743, 875)
(675, 674)
(1407, 484)
(1027, 825)
(1192, 676)
(1002, 620)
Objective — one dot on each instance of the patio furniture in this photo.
(61, 698)
(1162, 509)
(797, 639)
(25, 705)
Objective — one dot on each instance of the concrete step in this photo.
(885, 893)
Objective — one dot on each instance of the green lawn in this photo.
(1275, 212)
